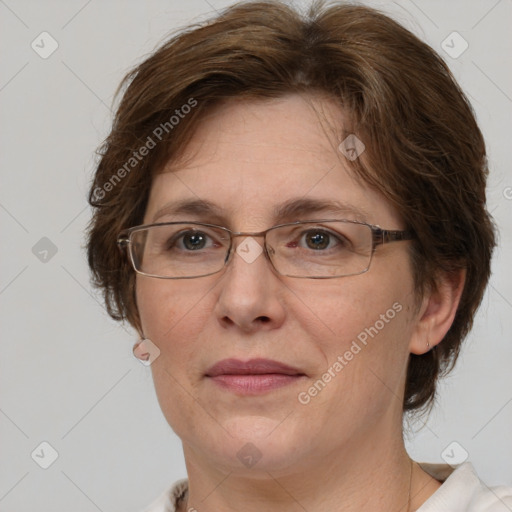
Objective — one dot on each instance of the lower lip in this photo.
(254, 384)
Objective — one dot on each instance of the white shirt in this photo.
(461, 491)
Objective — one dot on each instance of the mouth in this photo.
(254, 376)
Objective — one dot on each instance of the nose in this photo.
(251, 294)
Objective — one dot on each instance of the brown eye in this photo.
(317, 240)
(321, 240)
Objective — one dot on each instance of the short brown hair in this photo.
(424, 150)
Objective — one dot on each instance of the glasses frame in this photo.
(379, 236)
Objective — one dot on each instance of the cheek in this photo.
(165, 306)
(177, 317)
(364, 323)
(339, 311)
(364, 353)
(172, 316)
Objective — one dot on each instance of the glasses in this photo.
(316, 249)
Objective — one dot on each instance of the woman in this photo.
(304, 243)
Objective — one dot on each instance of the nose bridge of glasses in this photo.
(249, 250)
(235, 234)
(247, 234)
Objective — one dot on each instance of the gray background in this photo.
(67, 372)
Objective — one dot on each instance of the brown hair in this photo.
(424, 150)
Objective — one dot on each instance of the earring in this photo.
(428, 346)
(146, 351)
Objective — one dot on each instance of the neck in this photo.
(373, 476)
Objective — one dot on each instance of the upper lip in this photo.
(251, 367)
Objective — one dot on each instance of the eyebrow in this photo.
(286, 211)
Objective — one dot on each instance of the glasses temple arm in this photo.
(382, 236)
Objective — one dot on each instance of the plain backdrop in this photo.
(67, 375)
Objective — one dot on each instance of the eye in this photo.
(317, 239)
(194, 241)
(189, 241)
(320, 239)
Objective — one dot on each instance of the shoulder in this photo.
(463, 491)
(167, 501)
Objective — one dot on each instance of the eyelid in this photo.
(214, 237)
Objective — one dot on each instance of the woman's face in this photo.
(348, 337)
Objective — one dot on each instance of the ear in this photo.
(437, 312)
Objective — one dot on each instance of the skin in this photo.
(344, 449)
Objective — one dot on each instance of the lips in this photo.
(251, 367)
(254, 377)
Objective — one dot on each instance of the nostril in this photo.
(228, 320)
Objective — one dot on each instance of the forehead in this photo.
(250, 157)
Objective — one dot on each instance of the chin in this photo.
(251, 445)
(254, 428)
